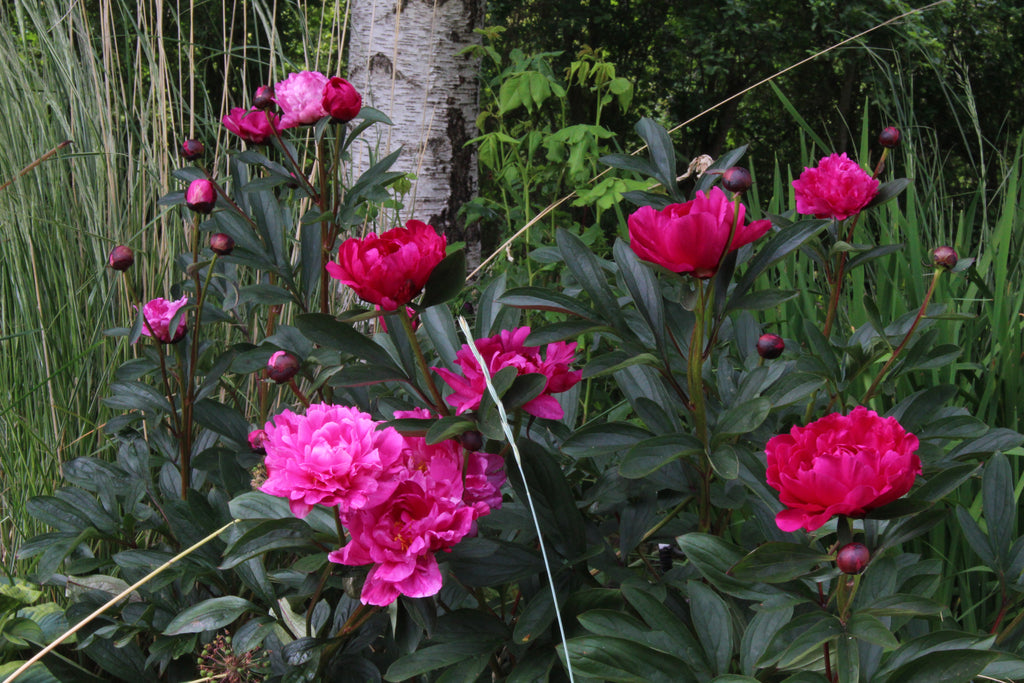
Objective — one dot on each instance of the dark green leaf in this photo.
(998, 505)
(870, 629)
(660, 150)
(650, 455)
(608, 363)
(598, 439)
(976, 538)
(273, 534)
(540, 299)
(448, 428)
(713, 624)
(446, 281)
(643, 287)
(743, 418)
(948, 666)
(760, 631)
(437, 657)
(223, 420)
(590, 275)
(614, 659)
(761, 300)
(209, 615)
(781, 243)
(888, 191)
(330, 333)
(847, 659)
(360, 375)
(777, 563)
(270, 295)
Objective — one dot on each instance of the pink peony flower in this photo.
(157, 316)
(332, 455)
(389, 269)
(341, 100)
(300, 97)
(691, 237)
(836, 188)
(507, 350)
(251, 125)
(401, 535)
(840, 465)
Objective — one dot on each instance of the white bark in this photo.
(403, 59)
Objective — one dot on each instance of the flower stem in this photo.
(695, 380)
(439, 405)
(906, 338)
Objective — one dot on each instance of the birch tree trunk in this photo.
(403, 57)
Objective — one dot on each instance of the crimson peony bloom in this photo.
(840, 465)
(300, 97)
(837, 188)
(389, 269)
(507, 350)
(251, 125)
(157, 317)
(341, 100)
(691, 237)
(332, 455)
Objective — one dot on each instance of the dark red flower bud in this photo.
(736, 179)
(770, 346)
(221, 244)
(889, 137)
(121, 258)
(282, 366)
(341, 100)
(192, 149)
(853, 558)
(201, 195)
(472, 440)
(264, 98)
(944, 257)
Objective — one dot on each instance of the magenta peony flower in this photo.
(840, 465)
(389, 269)
(157, 316)
(836, 188)
(300, 97)
(251, 125)
(507, 350)
(691, 237)
(401, 536)
(332, 455)
(341, 100)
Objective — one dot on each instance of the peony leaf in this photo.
(209, 615)
(446, 281)
(643, 287)
(998, 506)
(614, 659)
(713, 623)
(777, 563)
(650, 455)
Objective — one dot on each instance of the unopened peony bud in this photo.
(264, 98)
(889, 137)
(472, 440)
(258, 440)
(121, 258)
(342, 101)
(853, 558)
(282, 366)
(770, 346)
(944, 257)
(192, 149)
(736, 179)
(221, 244)
(201, 196)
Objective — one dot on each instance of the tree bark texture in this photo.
(403, 57)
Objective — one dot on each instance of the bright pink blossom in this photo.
(507, 349)
(300, 97)
(332, 455)
(836, 188)
(251, 125)
(840, 465)
(692, 237)
(341, 100)
(389, 269)
(258, 440)
(158, 314)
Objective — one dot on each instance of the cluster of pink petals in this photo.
(390, 269)
(253, 125)
(301, 98)
(158, 314)
(332, 455)
(837, 188)
(482, 482)
(425, 514)
(692, 237)
(840, 465)
(504, 350)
